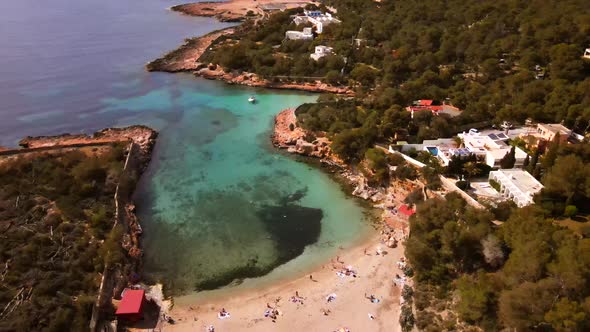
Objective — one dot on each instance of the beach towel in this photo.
(222, 317)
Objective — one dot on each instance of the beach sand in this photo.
(350, 309)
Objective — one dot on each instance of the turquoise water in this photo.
(218, 203)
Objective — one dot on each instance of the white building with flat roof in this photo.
(306, 34)
(492, 147)
(317, 18)
(320, 52)
(517, 185)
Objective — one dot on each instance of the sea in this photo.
(219, 206)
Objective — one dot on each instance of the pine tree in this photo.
(551, 153)
(537, 172)
(509, 159)
(534, 161)
(525, 164)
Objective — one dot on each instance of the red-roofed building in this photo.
(424, 105)
(131, 305)
(405, 210)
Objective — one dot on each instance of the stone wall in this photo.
(115, 278)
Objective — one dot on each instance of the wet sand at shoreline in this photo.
(350, 309)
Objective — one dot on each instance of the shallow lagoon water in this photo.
(217, 203)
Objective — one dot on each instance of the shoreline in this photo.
(351, 310)
(186, 57)
(215, 72)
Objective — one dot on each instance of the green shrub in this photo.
(570, 211)
(406, 318)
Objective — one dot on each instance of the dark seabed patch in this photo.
(223, 236)
(292, 227)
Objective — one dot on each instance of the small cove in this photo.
(217, 202)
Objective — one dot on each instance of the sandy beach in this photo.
(352, 276)
(350, 308)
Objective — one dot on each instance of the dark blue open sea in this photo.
(217, 202)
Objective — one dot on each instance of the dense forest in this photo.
(496, 60)
(56, 225)
(527, 274)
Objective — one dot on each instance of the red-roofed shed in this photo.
(425, 102)
(404, 209)
(131, 305)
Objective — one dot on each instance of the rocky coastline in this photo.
(144, 137)
(186, 57)
(294, 139)
(209, 9)
(215, 72)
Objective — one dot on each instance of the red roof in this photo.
(406, 210)
(425, 102)
(432, 108)
(131, 302)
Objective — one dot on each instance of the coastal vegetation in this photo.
(503, 60)
(508, 267)
(527, 274)
(56, 224)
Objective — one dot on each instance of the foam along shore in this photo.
(236, 10)
(302, 304)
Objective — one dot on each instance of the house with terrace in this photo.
(320, 52)
(306, 34)
(516, 185)
(491, 147)
(432, 106)
(543, 133)
(318, 19)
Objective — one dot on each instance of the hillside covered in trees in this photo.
(56, 228)
(495, 60)
(522, 269)
(528, 274)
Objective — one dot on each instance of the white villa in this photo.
(306, 34)
(320, 52)
(492, 147)
(516, 185)
(317, 18)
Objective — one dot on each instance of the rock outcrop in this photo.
(251, 79)
(288, 135)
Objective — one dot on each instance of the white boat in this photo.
(252, 99)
